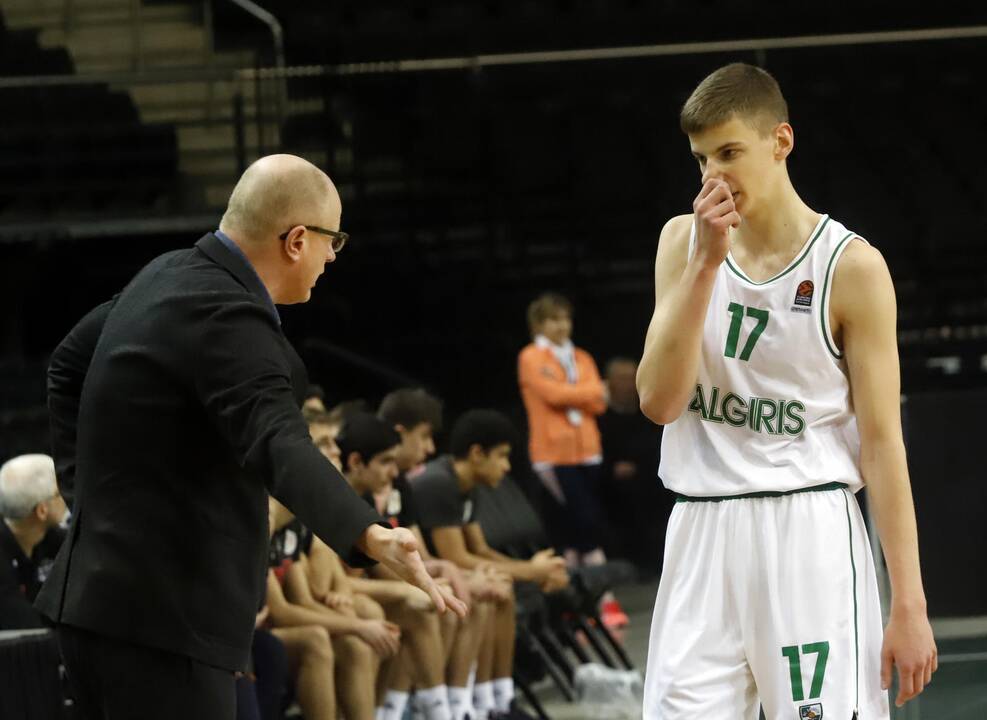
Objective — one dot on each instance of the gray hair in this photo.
(25, 481)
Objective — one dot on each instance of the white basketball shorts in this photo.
(768, 600)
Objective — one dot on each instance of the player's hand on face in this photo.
(910, 646)
(715, 214)
(397, 550)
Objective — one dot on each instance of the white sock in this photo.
(434, 703)
(394, 704)
(460, 703)
(483, 698)
(503, 689)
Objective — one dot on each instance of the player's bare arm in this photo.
(666, 377)
(863, 317)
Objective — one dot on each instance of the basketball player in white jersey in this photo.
(772, 359)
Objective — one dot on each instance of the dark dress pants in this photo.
(113, 679)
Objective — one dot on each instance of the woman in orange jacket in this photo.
(563, 394)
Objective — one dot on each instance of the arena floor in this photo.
(958, 690)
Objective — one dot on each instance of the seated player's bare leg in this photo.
(421, 635)
(449, 626)
(483, 695)
(463, 654)
(466, 645)
(420, 631)
(356, 677)
(311, 658)
(396, 674)
(505, 623)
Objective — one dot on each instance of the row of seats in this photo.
(348, 31)
(74, 149)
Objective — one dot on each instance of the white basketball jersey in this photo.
(772, 410)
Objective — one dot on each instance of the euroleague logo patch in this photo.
(811, 712)
(803, 297)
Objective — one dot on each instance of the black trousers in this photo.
(113, 679)
(580, 522)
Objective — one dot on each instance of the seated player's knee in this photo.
(481, 613)
(317, 645)
(449, 622)
(416, 621)
(354, 653)
(367, 608)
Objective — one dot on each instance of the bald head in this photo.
(26, 481)
(277, 192)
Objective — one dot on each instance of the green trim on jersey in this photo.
(808, 246)
(764, 494)
(856, 638)
(823, 307)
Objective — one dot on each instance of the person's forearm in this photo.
(666, 377)
(292, 615)
(889, 492)
(379, 572)
(383, 591)
(491, 555)
(518, 569)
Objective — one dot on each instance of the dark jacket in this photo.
(188, 416)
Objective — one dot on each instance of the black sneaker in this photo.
(515, 713)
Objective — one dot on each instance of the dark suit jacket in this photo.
(188, 416)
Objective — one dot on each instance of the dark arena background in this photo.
(487, 152)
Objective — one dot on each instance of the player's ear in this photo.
(294, 243)
(476, 453)
(784, 138)
(354, 461)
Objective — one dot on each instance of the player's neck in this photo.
(464, 475)
(783, 225)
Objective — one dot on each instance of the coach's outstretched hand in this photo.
(397, 550)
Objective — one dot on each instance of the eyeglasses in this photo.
(338, 238)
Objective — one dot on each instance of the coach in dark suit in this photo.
(188, 417)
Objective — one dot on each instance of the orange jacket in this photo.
(547, 395)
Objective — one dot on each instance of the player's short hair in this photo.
(486, 428)
(367, 435)
(314, 416)
(410, 407)
(746, 91)
(25, 481)
(544, 307)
